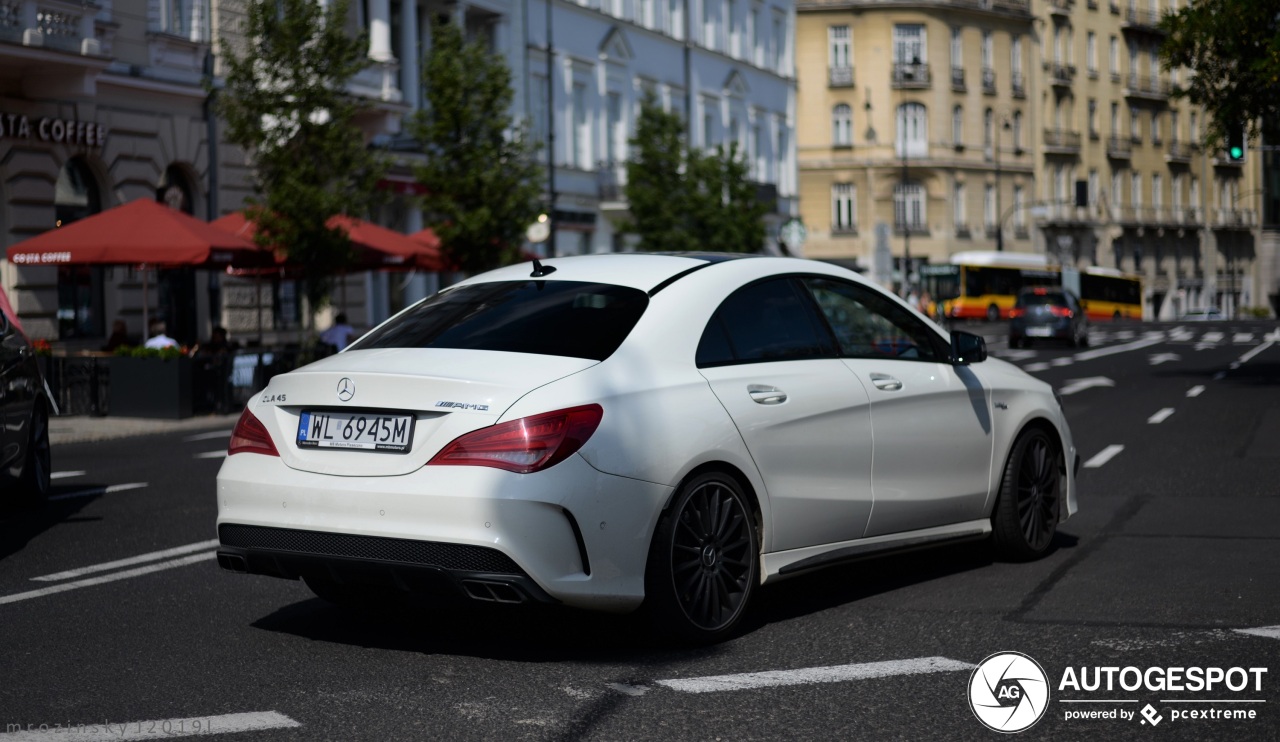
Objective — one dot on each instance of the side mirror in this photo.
(967, 348)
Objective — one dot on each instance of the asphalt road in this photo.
(1175, 553)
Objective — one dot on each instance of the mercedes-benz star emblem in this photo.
(346, 389)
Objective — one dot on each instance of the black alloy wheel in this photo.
(37, 467)
(1026, 514)
(703, 565)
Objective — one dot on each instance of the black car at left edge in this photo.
(24, 409)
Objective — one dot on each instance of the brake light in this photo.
(251, 436)
(1016, 312)
(1060, 311)
(526, 445)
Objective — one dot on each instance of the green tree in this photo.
(1233, 48)
(686, 199)
(286, 103)
(482, 180)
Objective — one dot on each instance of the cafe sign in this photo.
(49, 129)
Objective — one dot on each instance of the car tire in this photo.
(993, 313)
(36, 467)
(1025, 518)
(703, 562)
(1015, 342)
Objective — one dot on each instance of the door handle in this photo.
(761, 394)
(885, 382)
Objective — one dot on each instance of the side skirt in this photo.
(785, 564)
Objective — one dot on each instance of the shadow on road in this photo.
(21, 522)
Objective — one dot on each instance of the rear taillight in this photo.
(251, 436)
(1060, 311)
(1016, 312)
(526, 445)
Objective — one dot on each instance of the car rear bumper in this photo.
(569, 534)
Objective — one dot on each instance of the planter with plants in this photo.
(151, 382)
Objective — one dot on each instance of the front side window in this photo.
(767, 321)
(556, 318)
(868, 324)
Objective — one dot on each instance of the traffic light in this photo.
(1235, 143)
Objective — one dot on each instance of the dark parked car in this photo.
(1046, 313)
(24, 413)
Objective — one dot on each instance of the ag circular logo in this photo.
(1009, 692)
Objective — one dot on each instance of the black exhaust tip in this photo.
(492, 592)
(232, 562)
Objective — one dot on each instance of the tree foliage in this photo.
(1233, 48)
(286, 103)
(482, 179)
(685, 199)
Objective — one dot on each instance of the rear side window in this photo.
(556, 318)
(768, 321)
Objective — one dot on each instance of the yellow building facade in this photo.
(930, 128)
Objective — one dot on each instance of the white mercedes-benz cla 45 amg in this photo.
(612, 431)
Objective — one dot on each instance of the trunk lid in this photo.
(447, 392)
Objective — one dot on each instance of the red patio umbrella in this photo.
(379, 247)
(143, 232)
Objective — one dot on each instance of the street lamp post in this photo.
(551, 140)
(995, 147)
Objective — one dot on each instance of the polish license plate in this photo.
(1039, 332)
(359, 431)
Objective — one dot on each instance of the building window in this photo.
(731, 28)
(1093, 118)
(957, 47)
(988, 129)
(1156, 134)
(1173, 126)
(1115, 120)
(842, 126)
(844, 207)
(1135, 124)
(779, 44)
(1195, 127)
(909, 44)
(913, 130)
(1177, 196)
(538, 114)
(1093, 187)
(758, 149)
(185, 18)
(1135, 191)
(708, 125)
(675, 18)
(710, 26)
(1019, 215)
(615, 133)
(581, 129)
(1015, 57)
(1017, 132)
(1117, 189)
(957, 126)
(838, 56)
(959, 207)
(987, 50)
(646, 14)
(1091, 53)
(757, 35)
(909, 206)
(989, 207)
(1157, 192)
(1114, 57)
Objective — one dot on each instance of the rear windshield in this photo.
(555, 318)
(1040, 300)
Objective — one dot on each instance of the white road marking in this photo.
(141, 558)
(629, 690)
(1146, 342)
(1212, 337)
(1205, 346)
(1220, 376)
(1034, 367)
(1195, 391)
(1103, 456)
(1267, 632)
(1242, 337)
(138, 572)
(1249, 356)
(100, 491)
(1160, 416)
(66, 474)
(155, 728)
(1124, 334)
(212, 455)
(1063, 361)
(1273, 336)
(804, 676)
(1016, 354)
(1158, 358)
(1079, 385)
(208, 436)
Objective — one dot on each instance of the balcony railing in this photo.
(52, 24)
(988, 81)
(840, 77)
(962, 232)
(1146, 86)
(1061, 141)
(1141, 19)
(1060, 7)
(910, 76)
(916, 229)
(957, 79)
(1119, 148)
(1062, 74)
(1233, 218)
(611, 177)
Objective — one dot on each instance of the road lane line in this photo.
(100, 491)
(1032, 368)
(207, 436)
(252, 721)
(138, 572)
(1249, 356)
(154, 556)
(1111, 350)
(220, 454)
(1195, 391)
(1103, 456)
(66, 474)
(808, 675)
(1160, 416)
(1267, 632)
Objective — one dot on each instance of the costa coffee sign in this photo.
(48, 129)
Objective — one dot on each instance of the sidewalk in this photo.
(82, 428)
